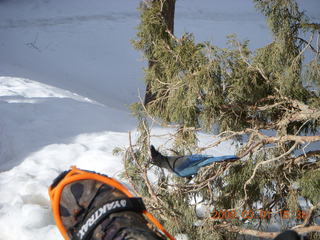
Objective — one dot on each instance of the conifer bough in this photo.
(266, 100)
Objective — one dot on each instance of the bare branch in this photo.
(300, 139)
(304, 49)
(145, 177)
(297, 160)
(308, 217)
(302, 113)
(263, 163)
(260, 234)
(249, 64)
(308, 44)
(172, 36)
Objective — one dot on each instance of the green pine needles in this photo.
(267, 99)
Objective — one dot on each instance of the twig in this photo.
(287, 138)
(308, 217)
(223, 139)
(250, 65)
(145, 177)
(263, 163)
(260, 234)
(152, 118)
(308, 44)
(129, 179)
(34, 44)
(318, 44)
(172, 36)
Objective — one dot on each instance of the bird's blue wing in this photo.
(216, 159)
(192, 163)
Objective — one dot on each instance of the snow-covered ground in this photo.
(67, 75)
(49, 129)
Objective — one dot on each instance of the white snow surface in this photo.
(67, 74)
(45, 131)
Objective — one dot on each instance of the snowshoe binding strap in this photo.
(84, 228)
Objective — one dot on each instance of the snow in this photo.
(34, 115)
(46, 130)
(24, 188)
(67, 75)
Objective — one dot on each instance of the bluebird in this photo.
(186, 166)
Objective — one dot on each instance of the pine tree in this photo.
(267, 99)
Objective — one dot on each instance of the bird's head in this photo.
(157, 158)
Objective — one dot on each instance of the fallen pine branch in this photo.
(268, 235)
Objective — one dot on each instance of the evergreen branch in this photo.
(301, 113)
(318, 44)
(287, 138)
(223, 139)
(309, 166)
(303, 50)
(260, 234)
(308, 217)
(145, 110)
(301, 157)
(302, 126)
(252, 145)
(250, 232)
(154, 198)
(203, 179)
(172, 35)
(268, 107)
(263, 163)
(145, 177)
(249, 64)
(305, 113)
(304, 230)
(250, 149)
(239, 91)
(128, 176)
(308, 44)
(305, 108)
(314, 26)
(163, 124)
